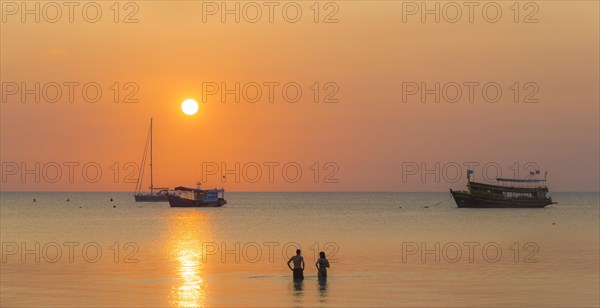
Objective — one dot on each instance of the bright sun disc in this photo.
(189, 106)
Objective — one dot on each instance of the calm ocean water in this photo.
(386, 249)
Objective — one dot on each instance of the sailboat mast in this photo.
(151, 183)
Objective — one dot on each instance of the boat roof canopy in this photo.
(185, 188)
(182, 188)
(520, 180)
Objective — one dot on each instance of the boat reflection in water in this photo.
(188, 231)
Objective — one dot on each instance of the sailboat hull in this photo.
(151, 198)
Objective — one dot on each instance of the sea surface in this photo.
(385, 249)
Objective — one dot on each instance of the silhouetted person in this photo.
(322, 265)
(111, 200)
(67, 199)
(34, 200)
(298, 265)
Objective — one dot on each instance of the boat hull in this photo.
(176, 201)
(466, 200)
(151, 198)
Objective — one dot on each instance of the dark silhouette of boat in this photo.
(152, 196)
(515, 193)
(196, 197)
(155, 194)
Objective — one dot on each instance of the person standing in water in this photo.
(298, 265)
(322, 265)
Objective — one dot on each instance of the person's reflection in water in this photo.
(323, 290)
(298, 286)
(297, 292)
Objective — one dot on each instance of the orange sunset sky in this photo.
(372, 136)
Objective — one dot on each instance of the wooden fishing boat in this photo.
(196, 197)
(513, 193)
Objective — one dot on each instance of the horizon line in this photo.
(248, 191)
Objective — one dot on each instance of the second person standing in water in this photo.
(322, 265)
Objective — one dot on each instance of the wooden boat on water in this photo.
(514, 193)
(196, 197)
(155, 194)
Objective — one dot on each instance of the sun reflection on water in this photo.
(188, 230)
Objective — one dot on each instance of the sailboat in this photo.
(155, 194)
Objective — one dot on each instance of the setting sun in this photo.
(189, 106)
